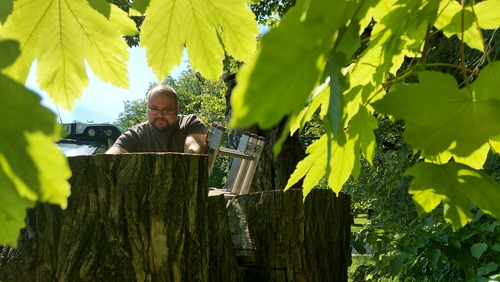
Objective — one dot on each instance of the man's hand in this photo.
(114, 150)
(196, 143)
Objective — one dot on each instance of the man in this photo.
(165, 130)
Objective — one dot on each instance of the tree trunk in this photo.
(287, 239)
(132, 217)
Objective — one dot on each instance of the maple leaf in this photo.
(32, 168)
(456, 185)
(62, 35)
(465, 23)
(440, 117)
(207, 28)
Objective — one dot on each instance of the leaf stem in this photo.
(460, 67)
(426, 42)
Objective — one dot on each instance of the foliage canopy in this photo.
(453, 127)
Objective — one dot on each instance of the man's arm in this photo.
(115, 150)
(196, 143)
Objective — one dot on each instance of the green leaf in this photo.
(32, 168)
(345, 46)
(206, 27)
(496, 247)
(336, 101)
(476, 159)
(6, 7)
(62, 36)
(433, 256)
(363, 124)
(116, 16)
(495, 143)
(9, 51)
(453, 21)
(441, 117)
(344, 161)
(313, 166)
(487, 14)
(488, 82)
(229, 16)
(467, 23)
(320, 97)
(456, 185)
(478, 249)
(487, 268)
(360, 248)
(139, 7)
(455, 243)
(290, 61)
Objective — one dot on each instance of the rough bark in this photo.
(223, 265)
(293, 240)
(148, 217)
(133, 217)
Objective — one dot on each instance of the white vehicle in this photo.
(88, 138)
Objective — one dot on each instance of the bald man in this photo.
(165, 130)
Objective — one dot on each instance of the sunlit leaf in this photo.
(487, 14)
(439, 116)
(229, 16)
(313, 165)
(291, 60)
(495, 143)
(456, 185)
(487, 83)
(319, 98)
(476, 159)
(32, 168)
(12, 206)
(467, 23)
(116, 16)
(62, 35)
(205, 28)
(344, 162)
(345, 46)
(363, 124)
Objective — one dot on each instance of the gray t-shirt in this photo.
(145, 138)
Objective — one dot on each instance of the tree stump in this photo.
(289, 239)
(132, 217)
(223, 265)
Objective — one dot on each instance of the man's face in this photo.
(162, 111)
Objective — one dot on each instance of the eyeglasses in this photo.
(165, 111)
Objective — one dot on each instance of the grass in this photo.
(358, 260)
(359, 221)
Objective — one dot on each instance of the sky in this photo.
(102, 102)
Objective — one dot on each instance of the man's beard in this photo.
(165, 125)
